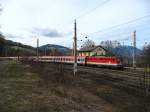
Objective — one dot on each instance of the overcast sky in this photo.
(52, 20)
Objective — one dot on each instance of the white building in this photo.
(93, 51)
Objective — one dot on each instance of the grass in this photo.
(23, 91)
(32, 87)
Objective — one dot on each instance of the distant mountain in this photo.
(11, 48)
(58, 48)
(12, 43)
(126, 51)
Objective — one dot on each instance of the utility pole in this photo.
(5, 48)
(37, 52)
(123, 43)
(75, 48)
(18, 50)
(134, 50)
(45, 51)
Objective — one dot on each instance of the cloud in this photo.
(52, 33)
(12, 36)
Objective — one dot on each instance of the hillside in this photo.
(126, 51)
(55, 48)
(11, 48)
(126, 54)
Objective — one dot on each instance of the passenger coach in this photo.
(100, 61)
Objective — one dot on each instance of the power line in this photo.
(117, 34)
(127, 35)
(90, 11)
(128, 22)
(140, 28)
(123, 33)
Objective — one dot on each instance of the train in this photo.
(99, 61)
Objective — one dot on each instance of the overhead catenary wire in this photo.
(127, 35)
(124, 34)
(112, 27)
(87, 13)
(129, 30)
(141, 29)
(119, 25)
(93, 9)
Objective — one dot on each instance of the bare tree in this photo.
(88, 44)
(110, 45)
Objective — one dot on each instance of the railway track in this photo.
(131, 80)
(123, 72)
(134, 80)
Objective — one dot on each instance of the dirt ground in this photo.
(45, 87)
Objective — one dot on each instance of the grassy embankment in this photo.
(49, 88)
